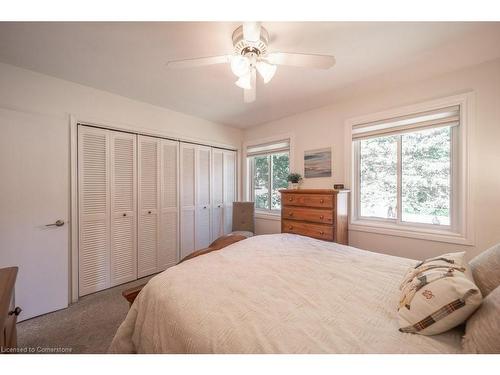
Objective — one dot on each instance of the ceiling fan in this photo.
(251, 55)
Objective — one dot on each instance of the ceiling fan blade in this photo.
(250, 95)
(301, 59)
(251, 31)
(198, 61)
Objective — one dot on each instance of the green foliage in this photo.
(261, 179)
(264, 187)
(294, 178)
(378, 176)
(425, 178)
(281, 168)
(426, 172)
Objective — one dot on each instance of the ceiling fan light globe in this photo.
(266, 70)
(240, 65)
(245, 81)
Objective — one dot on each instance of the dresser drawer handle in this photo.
(290, 214)
(322, 233)
(290, 199)
(290, 227)
(321, 217)
(16, 311)
(321, 201)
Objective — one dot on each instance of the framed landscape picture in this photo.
(318, 163)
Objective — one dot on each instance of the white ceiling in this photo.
(129, 59)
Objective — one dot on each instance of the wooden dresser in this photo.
(8, 314)
(317, 213)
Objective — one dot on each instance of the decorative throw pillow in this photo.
(482, 331)
(437, 295)
(486, 269)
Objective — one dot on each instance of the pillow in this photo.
(482, 331)
(437, 295)
(486, 269)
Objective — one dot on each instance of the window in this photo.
(268, 166)
(406, 170)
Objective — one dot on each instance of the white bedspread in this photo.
(278, 293)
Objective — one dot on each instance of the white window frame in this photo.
(461, 230)
(248, 171)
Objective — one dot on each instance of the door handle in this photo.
(16, 311)
(58, 223)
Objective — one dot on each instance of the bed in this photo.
(280, 293)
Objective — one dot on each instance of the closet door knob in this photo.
(16, 311)
(204, 207)
(124, 214)
(149, 212)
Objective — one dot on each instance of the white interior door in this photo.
(169, 249)
(94, 203)
(188, 199)
(229, 189)
(34, 192)
(149, 197)
(203, 193)
(123, 195)
(217, 193)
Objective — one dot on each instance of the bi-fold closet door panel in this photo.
(217, 193)
(158, 204)
(229, 189)
(188, 197)
(94, 210)
(223, 191)
(168, 254)
(123, 194)
(149, 203)
(203, 197)
(107, 208)
(196, 197)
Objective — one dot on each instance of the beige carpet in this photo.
(87, 326)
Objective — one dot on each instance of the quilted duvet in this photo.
(279, 293)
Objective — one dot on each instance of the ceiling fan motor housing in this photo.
(244, 47)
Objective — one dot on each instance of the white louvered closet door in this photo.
(203, 194)
(230, 189)
(169, 216)
(188, 198)
(123, 207)
(94, 209)
(149, 200)
(217, 193)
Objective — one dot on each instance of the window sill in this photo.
(268, 215)
(410, 232)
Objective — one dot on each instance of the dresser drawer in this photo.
(322, 232)
(308, 214)
(309, 200)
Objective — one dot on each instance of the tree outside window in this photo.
(269, 175)
(414, 165)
